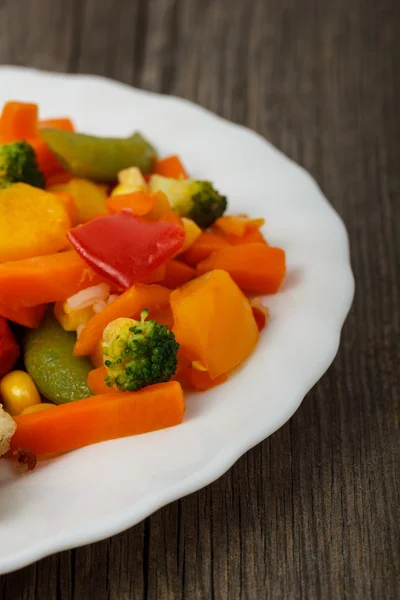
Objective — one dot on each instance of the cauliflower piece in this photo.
(196, 200)
(7, 430)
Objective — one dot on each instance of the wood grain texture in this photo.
(313, 512)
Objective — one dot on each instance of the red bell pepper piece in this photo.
(259, 317)
(9, 349)
(123, 250)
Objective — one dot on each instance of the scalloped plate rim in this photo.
(225, 458)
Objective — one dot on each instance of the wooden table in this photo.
(312, 512)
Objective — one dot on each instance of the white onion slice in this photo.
(98, 306)
(88, 296)
(112, 297)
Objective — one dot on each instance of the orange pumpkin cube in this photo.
(214, 323)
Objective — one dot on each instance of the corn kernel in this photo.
(18, 392)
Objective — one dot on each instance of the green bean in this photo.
(48, 355)
(99, 159)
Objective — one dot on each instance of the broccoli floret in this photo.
(18, 164)
(138, 353)
(207, 204)
(196, 200)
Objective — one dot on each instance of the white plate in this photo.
(101, 490)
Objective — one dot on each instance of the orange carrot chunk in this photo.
(129, 304)
(96, 381)
(156, 276)
(238, 225)
(47, 162)
(60, 123)
(256, 268)
(170, 217)
(140, 203)
(44, 279)
(18, 121)
(99, 418)
(28, 316)
(96, 356)
(177, 273)
(202, 381)
(251, 236)
(163, 316)
(171, 166)
(206, 244)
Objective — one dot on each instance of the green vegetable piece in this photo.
(99, 159)
(18, 165)
(138, 353)
(59, 376)
(196, 200)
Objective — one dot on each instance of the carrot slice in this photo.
(193, 379)
(202, 381)
(141, 203)
(44, 279)
(238, 225)
(160, 211)
(177, 273)
(163, 316)
(250, 237)
(172, 217)
(254, 267)
(99, 418)
(61, 123)
(96, 381)
(18, 121)
(156, 276)
(96, 356)
(171, 166)
(206, 244)
(129, 304)
(47, 162)
(28, 316)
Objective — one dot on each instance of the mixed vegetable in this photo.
(122, 283)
